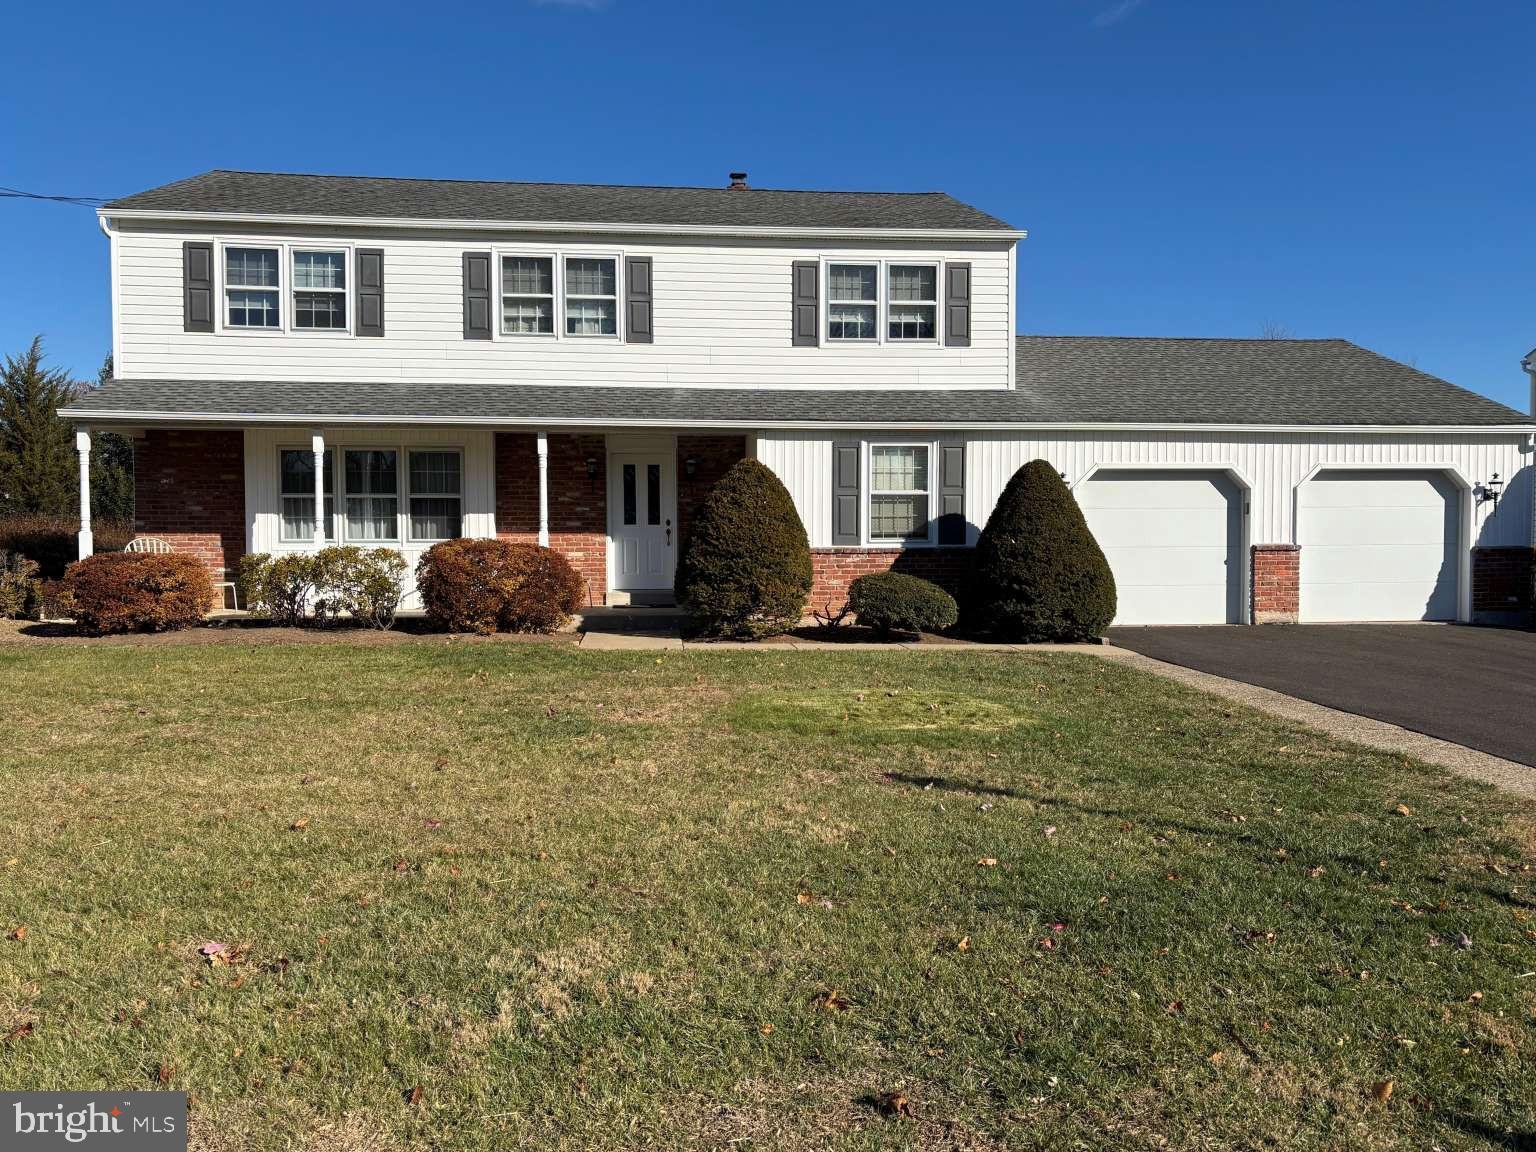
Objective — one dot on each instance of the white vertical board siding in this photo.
(1272, 464)
(263, 500)
(721, 316)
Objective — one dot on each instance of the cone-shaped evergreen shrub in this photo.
(1039, 575)
(746, 566)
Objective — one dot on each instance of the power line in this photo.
(80, 201)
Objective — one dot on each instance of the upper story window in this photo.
(528, 295)
(251, 288)
(319, 289)
(913, 302)
(898, 492)
(591, 296)
(853, 301)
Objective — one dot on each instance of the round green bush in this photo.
(1038, 574)
(746, 567)
(137, 592)
(894, 602)
(497, 586)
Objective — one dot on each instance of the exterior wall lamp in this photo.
(592, 470)
(1489, 490)
(690, 466)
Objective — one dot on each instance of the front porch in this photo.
(616, 503)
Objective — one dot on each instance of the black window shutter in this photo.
(845, 494)
(197, 286)
(805, 308)
(952, 494)
(957, 305)
(477, 295)
(638, 316)
(370, 292)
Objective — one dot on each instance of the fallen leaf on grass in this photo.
(766, 1029)
(834, 1001)
(18, 933)
(1176, 1008)
(1475, 998)
(1218, 1057)
(165, 1073)
(963, 944)
(433, 825)
(894, 1104)
(1382, 1091)
(1463, 941)
(804, 898)
(402, 865)
(1315, 871)
(299, 825)
(1403, 810)
(988, 862)
(414, 1095)
(1050, 830)
(20, 1032)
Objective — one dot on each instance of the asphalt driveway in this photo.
(1471, 686)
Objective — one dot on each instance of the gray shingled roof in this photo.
(1061, 380)
(291, 194)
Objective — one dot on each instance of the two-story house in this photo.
(311, 359)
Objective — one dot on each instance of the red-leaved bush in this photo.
(137, 592)
(497, 586)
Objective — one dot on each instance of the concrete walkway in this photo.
(1507, 774)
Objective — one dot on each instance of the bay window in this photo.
(319, 290)
(853, 301)
(591, 296)
(912, 302)
(296, 470)
(372, 479)
(899, 492)
(437, 495)
(250, 288)
(528, 295)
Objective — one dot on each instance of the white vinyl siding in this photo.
(722, 320)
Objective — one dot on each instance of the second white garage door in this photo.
(1378, 546)
(1174, 542)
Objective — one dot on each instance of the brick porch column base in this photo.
(1276, 583)
(1502, 589)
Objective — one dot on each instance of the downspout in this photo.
(1529, 364)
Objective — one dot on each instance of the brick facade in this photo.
(189, 490)
(1502, 585)
(712, 457)
(1276, 583)
(833, 569)
(578, 504)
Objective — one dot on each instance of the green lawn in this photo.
(591, 900)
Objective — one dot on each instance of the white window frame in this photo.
(557, 312)
(890, 302)
(332, 527)
(559, 256)
(877, 303)
(285, 309)
(342, 495)
(411, 493)
(346, 289)
(225, 288)
(867, 504)
(618, 296)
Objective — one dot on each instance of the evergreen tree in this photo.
(39, 471)
(111, 469)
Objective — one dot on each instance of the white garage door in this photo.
(1174, 543)
(1378, 546)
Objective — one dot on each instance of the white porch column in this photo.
(317, 446)
(83, 446)
(543, 446)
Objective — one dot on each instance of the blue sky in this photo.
(1184, 167)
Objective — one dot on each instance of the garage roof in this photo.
(1061, 380)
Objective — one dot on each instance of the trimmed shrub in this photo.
(20, 594)
(490, 586)
(138, 592)
(1038, 573)
(746, 567)
(52, 542)
(893, 602)
(365, 583)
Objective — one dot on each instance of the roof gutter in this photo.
(561, 226)
(86, 414)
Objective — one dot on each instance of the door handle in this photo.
(669, 533)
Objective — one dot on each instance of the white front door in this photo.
(642, 518)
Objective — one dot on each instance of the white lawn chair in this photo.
(156, 546)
